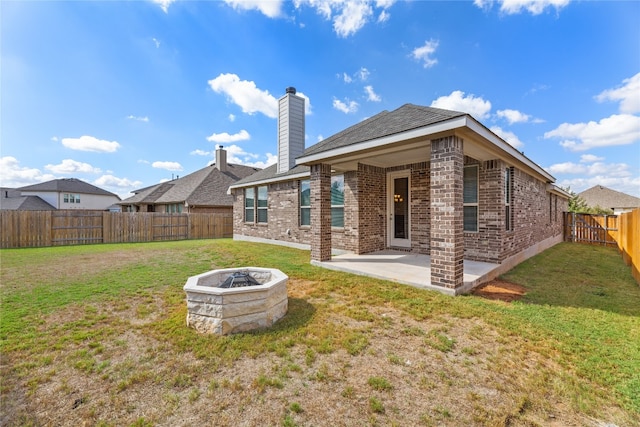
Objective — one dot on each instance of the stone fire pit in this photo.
(228, 309)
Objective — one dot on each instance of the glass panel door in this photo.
(399, 209)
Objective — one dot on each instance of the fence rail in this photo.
(621, 230)
(24, 229)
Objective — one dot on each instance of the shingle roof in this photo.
(71, 185)
(205, 187)
(607, 198)
(386, 123)
(25, 203)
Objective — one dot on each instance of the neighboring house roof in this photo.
(607, 198)
(68, 185)
(25, 203)
(205, 187)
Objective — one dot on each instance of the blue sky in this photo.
(126, 94)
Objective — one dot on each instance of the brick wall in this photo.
(372, 209)
(366, 218)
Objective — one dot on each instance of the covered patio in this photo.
(407, 268)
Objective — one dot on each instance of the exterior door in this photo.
(399, 209)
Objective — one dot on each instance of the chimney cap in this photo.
(291, 90)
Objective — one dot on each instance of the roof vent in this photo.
(291, 90)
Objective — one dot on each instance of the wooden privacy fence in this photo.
(594, 229)
(621, 230)
(22, 229)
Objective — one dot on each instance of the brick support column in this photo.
(447, 238)
(320, 212)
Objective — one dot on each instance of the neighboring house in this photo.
(418, 179)
(606, 198)
(11, 199)
(70, 193)
(204, 190)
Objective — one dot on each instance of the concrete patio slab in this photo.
(407, 268)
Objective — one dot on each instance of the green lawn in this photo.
(97, 335)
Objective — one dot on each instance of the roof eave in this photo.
(444, 126)
(270, 180)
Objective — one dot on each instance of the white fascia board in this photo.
(481, 130)
(445, 126)
(554, 189)
(270, 180)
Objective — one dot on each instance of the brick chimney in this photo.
(290, 129)
(221, 159)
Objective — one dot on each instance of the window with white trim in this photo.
(249, 204)
(305, 202)
(470, 198)
(71, 198)
(262, 204)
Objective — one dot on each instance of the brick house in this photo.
(418, 179)
(204, 190)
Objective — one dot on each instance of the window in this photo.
(173, 208)
(71, 198)
(262, 204)
(337, 201)
(508, 190)
(305, 202)
(249, 205)
(470, 198)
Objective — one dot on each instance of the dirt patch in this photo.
(500, 290)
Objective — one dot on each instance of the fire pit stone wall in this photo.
(215, 310)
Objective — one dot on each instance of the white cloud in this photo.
(138, 118)
(270, 8)
(362, 74)
(232, 118)
(112, 181)
(619, 129)
(69, 166)
(156, 42)
(238, 155)
(170, 166)
(54, 139)
(628, 94)
(508, 136)
(243, 135)
(425, 53)
(13, 175)
(590, 158)
(629, 185)
(307, 103)
(346, 107)
(371, 95)
(348, 16)
(383, 17)
(90, 143)
(511, 7)
(477, 107)
(164, 4)
(246, 95)
(353, 16)
(513, 116)
(615, 170)
(201, 153)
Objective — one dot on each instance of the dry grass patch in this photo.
(351, 351)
